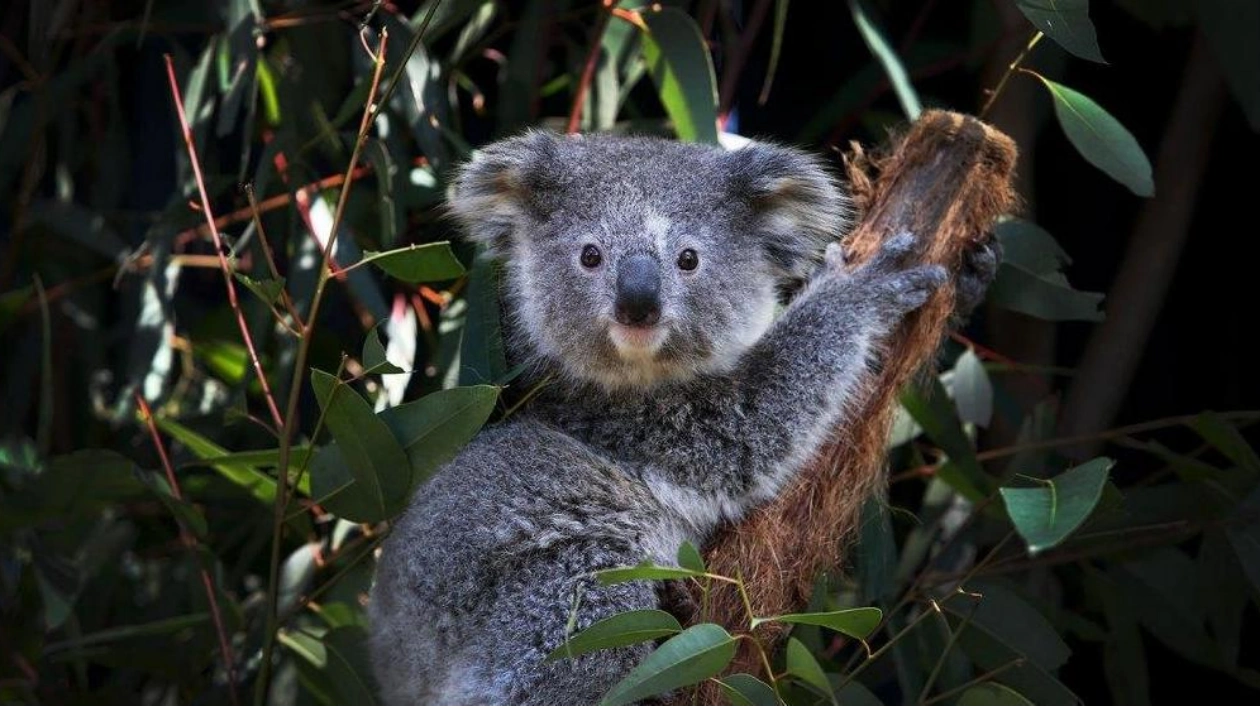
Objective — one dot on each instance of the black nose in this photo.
(638, 291)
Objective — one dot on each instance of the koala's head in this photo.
(635, 260)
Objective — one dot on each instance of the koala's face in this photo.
(633, 261)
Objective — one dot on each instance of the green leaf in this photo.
(241, 469)
(887, 56)
(431, 262)
(434, 428)
(1007, 617)
(689, 557)
(802, 664)
(858, 623)
(682, 68)
(623, 629)
(1230, 28)
(123, 633)
(268, 290)
(696, 654)
(1045, 516)
(1101, 139)
(1026, 677)
(481, 357)
(11, 302)
(646, 571)
(373, 357)
(347, 669)
(939, 419)
(1045, 296)
(1227, 440)
(260, 458)
(1243, 531)
(744, 689)
(973, 393)
(382, 474)
(1067, 23)
(992, 693)
(776, 48)
(876, 552)
(1030, 247)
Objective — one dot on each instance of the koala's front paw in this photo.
(893, 286)
(979, 268)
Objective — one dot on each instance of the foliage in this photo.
(194, 475)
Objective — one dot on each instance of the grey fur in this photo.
(627, 454)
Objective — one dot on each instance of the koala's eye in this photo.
(591, 257)
(688, 260)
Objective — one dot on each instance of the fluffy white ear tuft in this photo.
(798, 205)
(505, 185)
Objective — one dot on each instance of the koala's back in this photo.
(478, 579)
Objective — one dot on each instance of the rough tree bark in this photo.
(947, 179)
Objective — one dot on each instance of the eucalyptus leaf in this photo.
(645, 571)
(431, 262)
(622, 629)
(1067, 23)
(858, 623)
(803, 665)
(1101, 139)
(679, 62)
(696, 654)
(973, 392)
(1045, 516)
(744, 689)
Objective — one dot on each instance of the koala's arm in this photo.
(764, 420)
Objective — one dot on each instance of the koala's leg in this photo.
(536, 607)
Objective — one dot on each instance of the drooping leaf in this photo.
(434, 428)
(431, 262)
(1101, 139)
(776, 48)
(1047, 296)
(373, 356)
(1067, 23)
(1024, 676)
(973, 392)
(933, 412)
(622, 629)
(481, 356)
(887, 56)
(645, 571)
(1230, 28)
(680, 64)
(858, 623)
(347, 668)
(1010, 619)
(992, 693)
(1227, 440)
(689, 557)
(696, 654)
(382, 474)
(803, 665)
(744, 689)
(267, 290)
(1030, 247)
(241, 468)
(1046, 515)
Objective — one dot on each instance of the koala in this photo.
(643, 279)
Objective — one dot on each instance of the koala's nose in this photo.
(638, 291)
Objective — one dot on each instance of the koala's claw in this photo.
(979, 268)
(909, 289)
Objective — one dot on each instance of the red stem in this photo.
(190, 542)
(219, 247)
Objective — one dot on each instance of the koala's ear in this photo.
(797, 206)
(505, 184)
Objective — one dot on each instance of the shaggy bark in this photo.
(946, 180)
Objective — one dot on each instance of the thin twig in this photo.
(370, 109)
(220, 247)
(949, 645)
(285, 299)
(1012, 68)
(189, 541)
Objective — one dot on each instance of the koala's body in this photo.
(643, 277)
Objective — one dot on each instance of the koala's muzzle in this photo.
(638, 291)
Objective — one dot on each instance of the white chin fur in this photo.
(637, 344)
